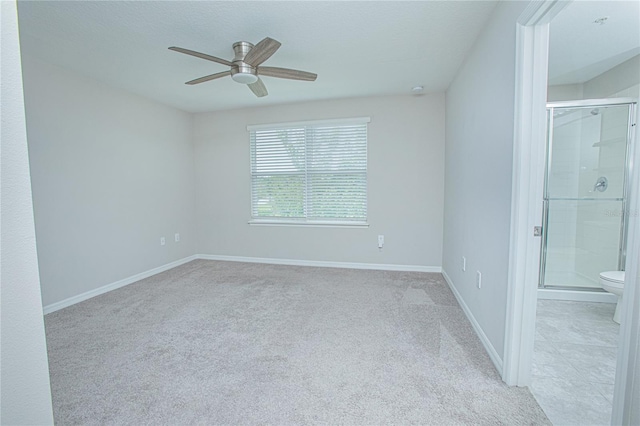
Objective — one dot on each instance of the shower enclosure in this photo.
(585, 192)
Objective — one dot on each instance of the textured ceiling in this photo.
(356, 48)
(580, 49)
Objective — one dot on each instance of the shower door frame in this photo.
(624, 218)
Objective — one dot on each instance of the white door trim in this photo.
(526, 212)
(532, 52)
(627, 387)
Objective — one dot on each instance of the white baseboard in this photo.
(576, 295)
(321, 263)
(493, 354)
(106, 288)
(137, 277)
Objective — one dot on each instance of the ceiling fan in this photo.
(245, 66)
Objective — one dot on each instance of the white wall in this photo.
(617, 79)
(565, 92)
(620, 81)
(405, 184)
(478, 167)
(112, 173)
(25, 394)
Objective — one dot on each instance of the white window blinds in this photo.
(311, 172)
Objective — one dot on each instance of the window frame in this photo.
(305, 222)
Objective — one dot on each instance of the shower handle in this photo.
(601, 184)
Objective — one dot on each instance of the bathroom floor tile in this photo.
(558, 370)
(597, 364)
(545, 353)
(574, 361)
(548, 362)
(539, 337)
(579, 331)
(570, 403)
(570, 309)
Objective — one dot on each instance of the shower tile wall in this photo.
(583, 236)
(563, 180)
(597, 246)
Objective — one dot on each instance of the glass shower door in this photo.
(584, 195)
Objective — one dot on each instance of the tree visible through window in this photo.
(309, 172)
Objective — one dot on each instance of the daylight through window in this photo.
(313, 172)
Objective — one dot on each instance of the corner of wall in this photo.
(25, 387)
(494, 355)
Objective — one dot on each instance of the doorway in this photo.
(527, 213)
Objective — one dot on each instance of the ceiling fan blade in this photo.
(201, 55)
(287, 73)
(208, 77)
(258, 88)
(262, 51)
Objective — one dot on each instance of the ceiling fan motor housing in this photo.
(242, 72)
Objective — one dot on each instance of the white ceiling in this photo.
(356, 48)
(580, 49)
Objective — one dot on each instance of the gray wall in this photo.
(25, 395)
(617, 79)
(405, 184)
(478, 167)
(565, 92)
(111, 174)
(621, 80)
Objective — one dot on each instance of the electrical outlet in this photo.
(380, 241)
(464, 264)
(177, 237)
(162, 241)
(479, 279)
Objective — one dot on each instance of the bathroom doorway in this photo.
(534, 77)
(583, 242)
(585, 192)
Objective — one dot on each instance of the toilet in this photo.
(613, 282)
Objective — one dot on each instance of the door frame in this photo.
(626, 386)
(530, 122)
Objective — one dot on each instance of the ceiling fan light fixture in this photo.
(244, 77)
(245, 68)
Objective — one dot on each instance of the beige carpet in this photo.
(237, 343)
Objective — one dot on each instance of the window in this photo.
(311, 173)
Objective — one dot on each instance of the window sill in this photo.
(311, 224)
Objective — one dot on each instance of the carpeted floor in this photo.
(237, 343)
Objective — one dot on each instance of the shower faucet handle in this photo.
(601, 184)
